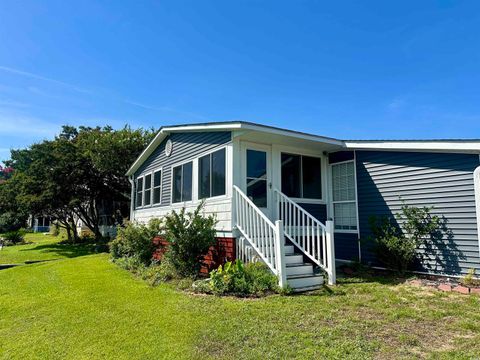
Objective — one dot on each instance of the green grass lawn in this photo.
(85, 307)
(41, 247)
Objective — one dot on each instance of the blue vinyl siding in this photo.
(186, 146)
(441, 180)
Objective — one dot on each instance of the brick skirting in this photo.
(219, 254)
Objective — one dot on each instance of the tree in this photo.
(76, 173)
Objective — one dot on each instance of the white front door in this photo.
(257, 175)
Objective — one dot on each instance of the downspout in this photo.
(132, 199)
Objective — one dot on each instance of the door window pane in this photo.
(256, 164)
(312, 177)
(291, 172)
(257, 192)
(257, 177)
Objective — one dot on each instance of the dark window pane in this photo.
(204, 177)
(256, 164)
(157, 178)
(312, 177)
(177, 184)
(187, 182)
(139, 200)
(257, 191)
(218, 173)
(291, 170)
(156, 195)
(148, 197)
(148, 182)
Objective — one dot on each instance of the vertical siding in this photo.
(185, 146)
(444, 181)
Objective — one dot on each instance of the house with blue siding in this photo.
(301, 202)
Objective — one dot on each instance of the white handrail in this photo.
(265, 237)
(307, 233)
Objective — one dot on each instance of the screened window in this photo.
(139, 192)
(157, 187)
(182, 183)
(147, 198)
(211, 174)
(301, 176)
(344, 198)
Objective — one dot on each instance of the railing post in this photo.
(332, 276)
(280, 253)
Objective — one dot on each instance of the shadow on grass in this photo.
(67, 250)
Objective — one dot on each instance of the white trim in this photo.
(332, 202)
(188, 202)
(161, 185)
(224, 147)
(165, 131)
(459, 146)
(268, 150)
(356, 198)
(476, 180)
(301, 152)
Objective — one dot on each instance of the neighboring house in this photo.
(251, 176)
(39, 223)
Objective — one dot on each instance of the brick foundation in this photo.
(219, 254)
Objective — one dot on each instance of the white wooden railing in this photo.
(245, 251)
(265, 237)
(307, 233)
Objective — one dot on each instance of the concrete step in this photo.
(304, 281)
(306, 288)
(300, 269)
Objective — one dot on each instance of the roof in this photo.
(448, 145)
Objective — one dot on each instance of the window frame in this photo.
(224, 148)
(301, 199)
(332, 202)
(143, 191)
(182, 163)
(160, 169)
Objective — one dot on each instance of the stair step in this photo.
(303, 281)
(293, 259)
(299, 269)
(306, 288)
(289, 249)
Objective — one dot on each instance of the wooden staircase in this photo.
(300, 274)
(297, 254)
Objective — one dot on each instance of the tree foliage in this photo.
(74, 175)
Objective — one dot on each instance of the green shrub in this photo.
(242, 280)
(190, 235)
(159, 272)
(135, 241)
(470, 279)
(396, 245)
(14, 237)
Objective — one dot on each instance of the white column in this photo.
(332, 276)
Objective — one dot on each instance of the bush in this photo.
(470, 279)
(396, 245)
(136, 241)
(14, 237)
(10, 221)
(190, 235)
(242, 280)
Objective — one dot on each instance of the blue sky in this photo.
(347, 69)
